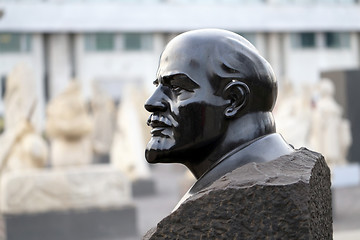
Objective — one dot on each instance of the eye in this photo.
(176, 89)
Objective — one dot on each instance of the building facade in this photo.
(116, 42)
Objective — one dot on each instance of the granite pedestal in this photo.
(287, 198)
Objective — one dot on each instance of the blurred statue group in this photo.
(74, 133)
(76, 155)
(311, 117)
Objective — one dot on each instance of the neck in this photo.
(240, 132)
(264, 149)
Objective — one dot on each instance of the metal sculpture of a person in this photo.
(211, 109)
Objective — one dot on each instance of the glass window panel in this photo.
(99, 42)
(132, 41)
(138, 41)
(104, 41)
(10, 42)
(337, 40)
(147, 42)
(27, 42)
(303, 40)
(307, 40)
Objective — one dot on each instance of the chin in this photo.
(158, 156)
(158, 150)
(151, 156)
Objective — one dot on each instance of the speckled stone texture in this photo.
(287, 198)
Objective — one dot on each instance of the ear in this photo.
(238, 94)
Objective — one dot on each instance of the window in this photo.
(3, 86)
(303, 40)
(137, 41)
(337, 40)
(15, 42)
(100, 42)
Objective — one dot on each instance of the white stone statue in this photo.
(21, 146)
(293, 114)
(25, 148)
(69, 127)
(127, 152)
(330, 134)
(104, 115)
(19, 95)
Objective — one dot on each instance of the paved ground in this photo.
(346, 213)
(151, 209)
(154, 208)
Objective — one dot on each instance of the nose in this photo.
(156, 103)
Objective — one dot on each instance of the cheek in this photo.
(181, 106)
(185, 95)
(200, 120)
(213, 120)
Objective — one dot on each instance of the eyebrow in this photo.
(181, 80)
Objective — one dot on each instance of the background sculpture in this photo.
(330, 133)
(72, 194)
(104, 115)
(126, 152)
(22, 146)
(19, 95)
(69, 127)
(312, 118)
(293, 114)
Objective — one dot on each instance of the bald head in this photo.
(221, 56)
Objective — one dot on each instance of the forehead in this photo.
(206, 56)
(184, 57)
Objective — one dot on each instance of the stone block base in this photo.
(80, 203)
(48, 190)
(287, 198)
(93, 224)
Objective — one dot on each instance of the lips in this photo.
(159, 124)
(155, 121)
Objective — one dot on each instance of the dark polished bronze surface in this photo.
(211, 109)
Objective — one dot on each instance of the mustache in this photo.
(157, 120)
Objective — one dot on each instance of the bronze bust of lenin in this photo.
(211, 109)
